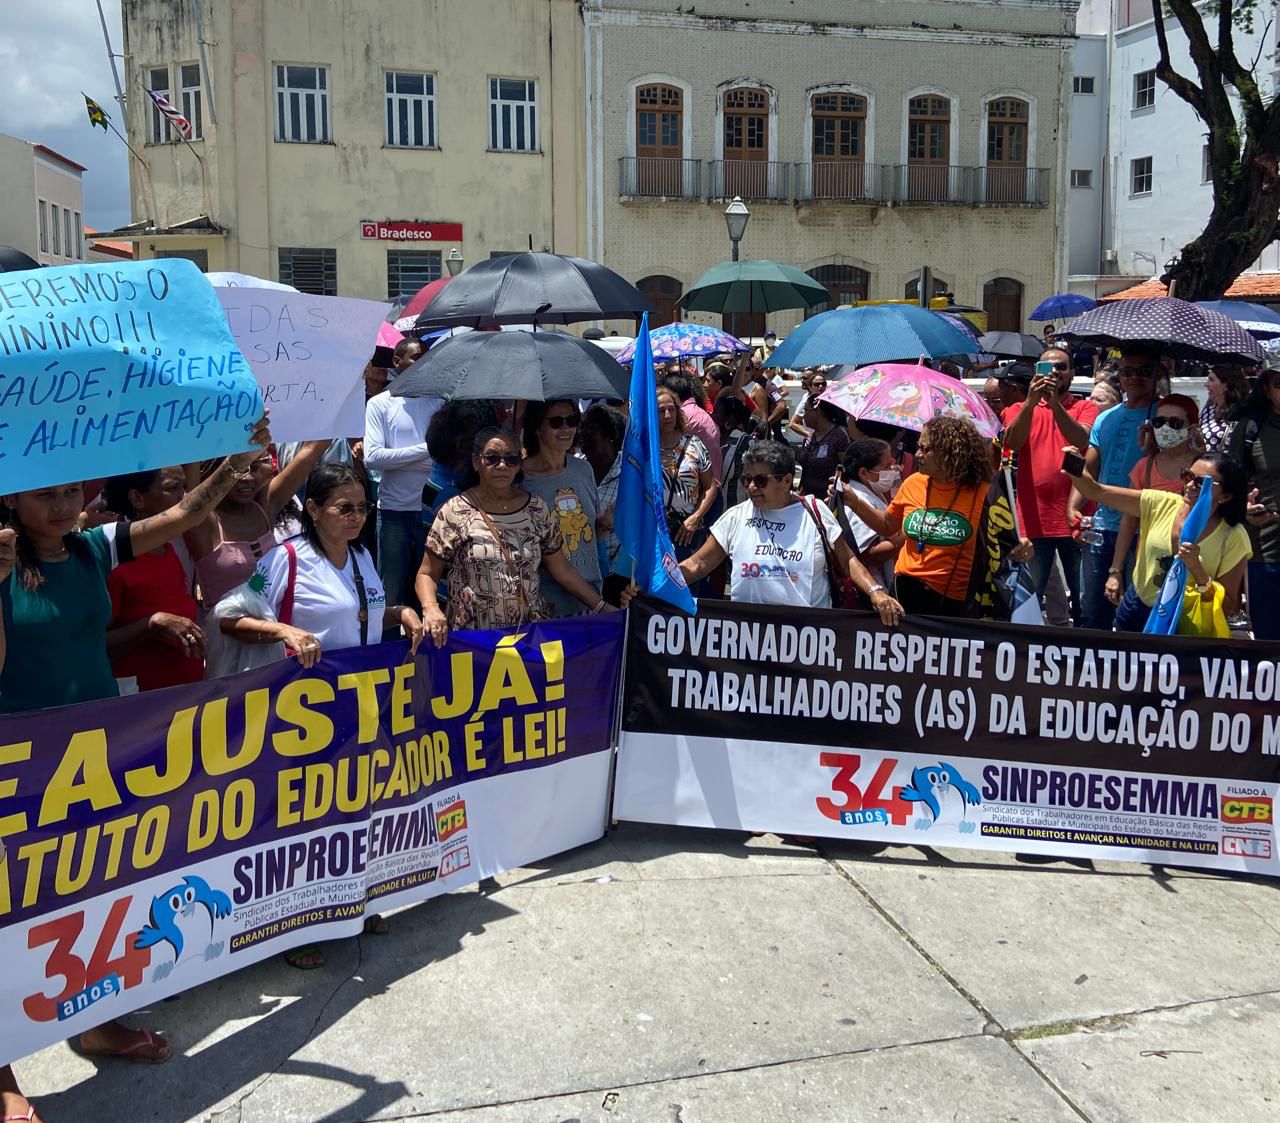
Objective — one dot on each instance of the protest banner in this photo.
(151, 843)
(951, 732)
(308, 354)
(106, 369)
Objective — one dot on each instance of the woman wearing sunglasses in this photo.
(813, 383)
(567, 485)
(1172, 444)
(780, 544)
(493, 540)
(1215, 562)
(319, 591)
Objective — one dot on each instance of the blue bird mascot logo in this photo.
(940, 790)
(171, 913)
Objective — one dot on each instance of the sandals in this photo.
(30, 1115)
(307, 958)
(147, 1050)
(376, 925)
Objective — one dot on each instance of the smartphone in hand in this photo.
(1073, 463)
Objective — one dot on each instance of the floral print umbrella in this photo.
(684, 341)
(906, 396)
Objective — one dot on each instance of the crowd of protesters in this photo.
(475, 514)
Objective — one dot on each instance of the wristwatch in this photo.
(1114, 572)
(1202, 589)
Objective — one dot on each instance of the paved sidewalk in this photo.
(685, 976)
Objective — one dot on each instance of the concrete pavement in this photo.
(684, 975)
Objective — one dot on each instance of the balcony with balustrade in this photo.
(659, 178)
(754, 181)
(842, 181)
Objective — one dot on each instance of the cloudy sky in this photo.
(50, 50)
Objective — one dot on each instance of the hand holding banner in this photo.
(307, 353)
(106, 369)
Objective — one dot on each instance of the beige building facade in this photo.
(351, 147)
(867, 140)
(41, 202)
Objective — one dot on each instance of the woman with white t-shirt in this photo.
(319, 591)
(773, 545)
(871, 471)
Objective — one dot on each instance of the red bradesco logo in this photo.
(368, 229)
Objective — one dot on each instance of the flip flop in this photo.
(295, 956)
(136, 1052)
(30, 1115)
(376, 925)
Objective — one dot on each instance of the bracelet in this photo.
(600, 605)
(1114, 572)
(1202, 589)
(871, 592)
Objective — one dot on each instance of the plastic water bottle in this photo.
(1088, 535)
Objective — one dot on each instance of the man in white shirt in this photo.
(395, 444)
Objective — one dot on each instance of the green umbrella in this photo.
(753, 286)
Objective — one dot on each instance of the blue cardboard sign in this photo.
(107, 369)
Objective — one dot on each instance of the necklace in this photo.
(927, 524)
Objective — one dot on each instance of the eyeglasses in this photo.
(561, 422)
(510, 459)
(923, 450)
(1190, 478)
(1177, 424)
(760, 481)
(346, 510)
(816, 387)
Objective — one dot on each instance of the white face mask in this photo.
(889, 478)
(1171, 438)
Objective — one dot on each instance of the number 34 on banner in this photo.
(104, 976)
(857, 808)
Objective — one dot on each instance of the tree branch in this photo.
(1186, 89)
(1232, 69)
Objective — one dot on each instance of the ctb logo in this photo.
(1246, 809)
(451, 820)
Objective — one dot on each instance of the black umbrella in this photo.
(529, 365)
(1175, 327)
(539, 288)
(13, 259)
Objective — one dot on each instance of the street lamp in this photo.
(736, 217)
(454, 262)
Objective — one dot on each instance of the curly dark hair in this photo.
(960, 448)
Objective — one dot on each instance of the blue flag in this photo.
(640, 518)
(1164, 617)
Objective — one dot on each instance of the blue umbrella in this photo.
(1258, 320)
(1062, 305)
(874, 333)
(1164, 617)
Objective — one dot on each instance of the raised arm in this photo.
(287, 482)
(194, 507)
(1126, 500)
(883, 523)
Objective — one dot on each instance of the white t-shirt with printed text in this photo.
(775, 557)
(325, 599)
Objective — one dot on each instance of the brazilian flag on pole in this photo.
(97, 115)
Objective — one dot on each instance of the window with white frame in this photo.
(191, 105)
(302, 104)
(409, 270)
(310, 270)
(69, 242)
(513, 115)
(1081, 177)
(79, 237)
(158, 131)
(56, 214)
(1206, 165)
(1144, 89)
(44, 226)
(1140, 177)
(411, 110)
(1082, 84)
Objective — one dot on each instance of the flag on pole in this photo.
(1164, 617)
(169, 111)
(97, 115)
(640, 519)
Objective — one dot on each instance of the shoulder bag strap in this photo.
(675, 472)
(507, 557)
(364, 600)
(285, 615)
(1151, 464)
(822, 535)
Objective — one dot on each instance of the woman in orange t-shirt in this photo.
(937, 509)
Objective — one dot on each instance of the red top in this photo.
(153, 583)
(1042, 489)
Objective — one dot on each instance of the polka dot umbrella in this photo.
(1175, 327)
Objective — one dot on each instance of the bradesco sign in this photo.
(399, 230)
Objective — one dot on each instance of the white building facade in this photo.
(1152, 192)
(41, 202)
(868, 140)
